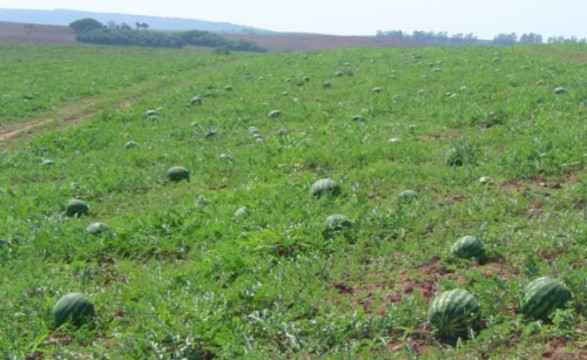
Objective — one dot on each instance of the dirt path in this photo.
(77, 111)
(69, 113)
(8, 133)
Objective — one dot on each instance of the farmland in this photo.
(236, 261)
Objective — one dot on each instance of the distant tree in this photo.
(202, 38)
(458, 38)
(505, 39)
(121, 36)
(430, 37)
(470, 37)
(86, 24)
(531, 38)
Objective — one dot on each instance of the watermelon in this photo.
(454, 158)
(468, 247)
(543, 296)
(324, 187)
(130, 144)
(485, 180)
(336, 224)
(453, 313)
(47, 162)
(196, 100)
(97, 228)
(178, 173)
(241, 212)
(274, 113)
(73, 308)
(77, 208)
(407, 196)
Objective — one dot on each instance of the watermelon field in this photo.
(397, 203)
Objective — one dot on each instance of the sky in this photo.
(483, 18)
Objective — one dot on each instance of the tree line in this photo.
(442, 38)
(92, 31)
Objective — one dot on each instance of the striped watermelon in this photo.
(408, 196)
(543, 296)
(74, 308)
(336, 224)
(77, 208)
(468, 247)
(453, 313)
(324, 187)
(178, 173)
(97, 228)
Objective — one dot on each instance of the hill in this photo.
(65, 17)
(14, 32)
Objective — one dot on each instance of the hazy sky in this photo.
(484, 18)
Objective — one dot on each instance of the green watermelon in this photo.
(178, 173)
(97, 228)
(543, 296)
(407, 196)
(242, 212)
(336, 224)
(468, 247)
(274, 113)
(454, 158)
(324, 187)
(196, 100)
(47, 162)
(77, 208)
(453, 313)
(130, 144)
(73, 308)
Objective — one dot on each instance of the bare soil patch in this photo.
(308, 42)
(556, 350)
(35, 34)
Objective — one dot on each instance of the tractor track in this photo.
(78, 111)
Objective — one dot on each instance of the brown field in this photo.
(306, 42)
(35, 34)
(48, 34)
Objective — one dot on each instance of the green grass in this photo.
(180, 276)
